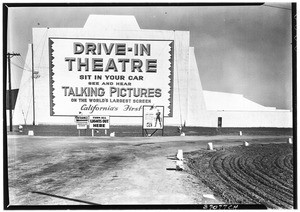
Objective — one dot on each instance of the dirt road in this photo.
(128, 170)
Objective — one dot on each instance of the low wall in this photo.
(256, 119)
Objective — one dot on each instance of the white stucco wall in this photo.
(282, 119)
(232, 102)
(197, 112)
(23, 108)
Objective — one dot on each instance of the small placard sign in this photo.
(153, 117)
(82, 125)
(99, 122)
(82, 122)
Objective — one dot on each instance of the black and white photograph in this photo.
(166, 105)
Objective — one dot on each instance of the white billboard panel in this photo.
(110, 77)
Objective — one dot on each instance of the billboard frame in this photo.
(172, 71)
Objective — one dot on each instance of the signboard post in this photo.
(99, 122)
(153, 119)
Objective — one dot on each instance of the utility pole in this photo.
(9, 56)
(32, 76)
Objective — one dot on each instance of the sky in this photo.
(245, 50)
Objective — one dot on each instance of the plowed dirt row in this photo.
(261, 174)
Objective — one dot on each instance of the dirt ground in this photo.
(45, 170)
(255, 174)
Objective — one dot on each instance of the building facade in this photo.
(112, 67)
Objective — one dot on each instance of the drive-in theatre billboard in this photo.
(110, 77)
